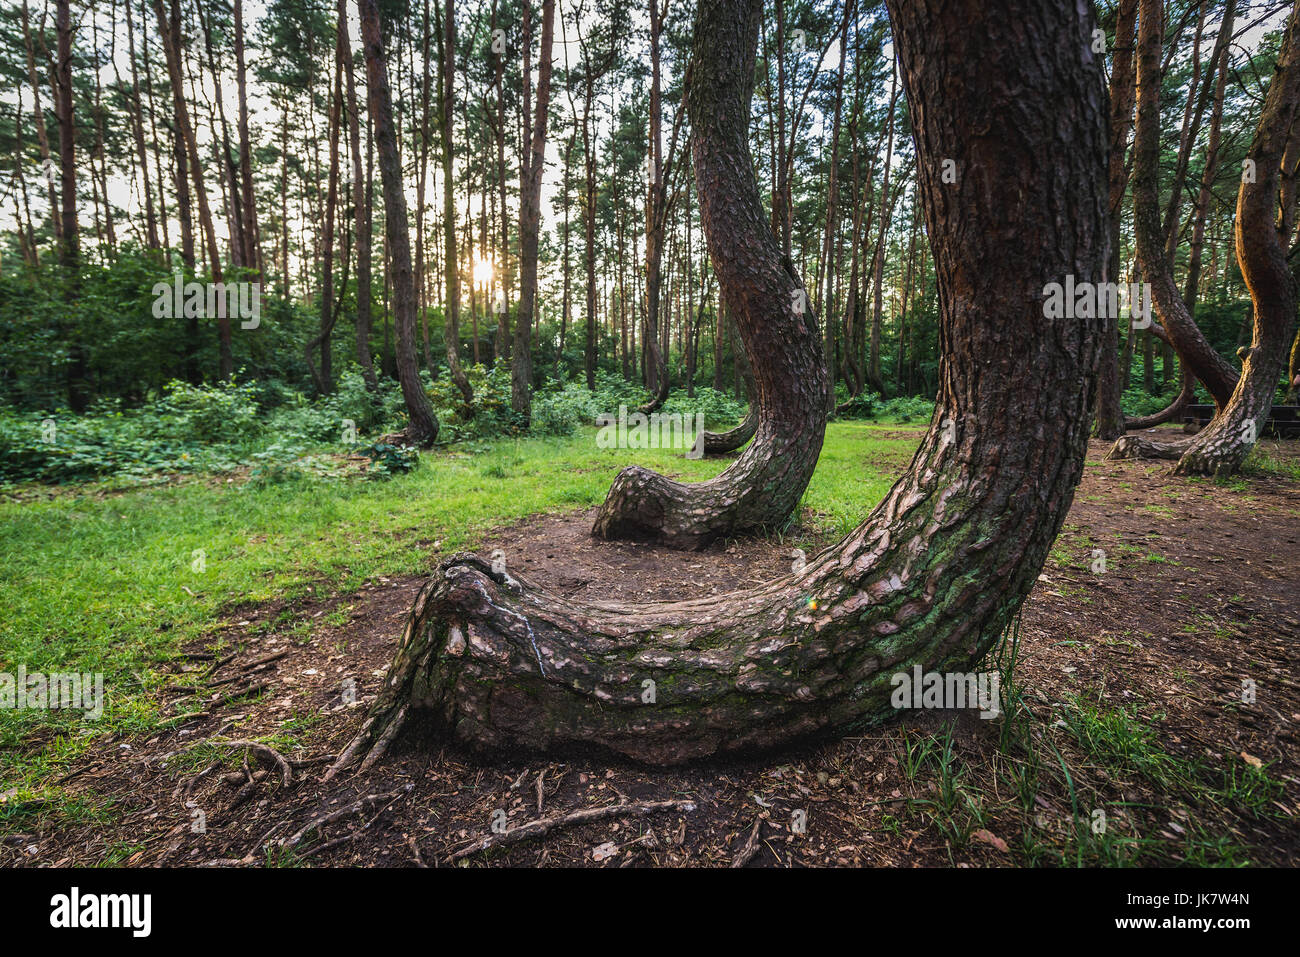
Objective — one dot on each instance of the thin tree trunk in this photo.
(874, 378)
(226, 361)
(423, 426)
(530, 213)
(70, 241)
(1109, 421)
(451, 307)
(360, 205)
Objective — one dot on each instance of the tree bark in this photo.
(451, 309)
(360, 207)
(939, 569)
(773, 314)
(1262, 255)
(324, 377)
(171, 48)
(70, 239)
(1109, 423)
(874, 378)
(530, 213)
(1208, 366)
(423, 426)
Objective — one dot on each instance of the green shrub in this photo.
(388, 460)
(488, 414)
(908, 408)
(226, 412)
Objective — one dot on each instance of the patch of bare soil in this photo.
(1196, 599)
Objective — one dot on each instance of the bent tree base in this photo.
(940, 567)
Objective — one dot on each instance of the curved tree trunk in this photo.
(1186, 391)
(773, 314)
(1261, 253)
(941, 566)
(1153, 257)
(1223, 445)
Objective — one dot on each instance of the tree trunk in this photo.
(1262, 254)
(451, 309)
(502, 343)
(1193, 349)
(171, 48)
(252, 243)
(70, 240)
(773, 313)
(656, 363)
(940, 568)
(361, 208)
(423, 426)
(874, 378)
(530, 213)
(324, 377)
(1109, 423)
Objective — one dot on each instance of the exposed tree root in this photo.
(749, 850)
(545, 826)
(356, 807)
(1143, 447)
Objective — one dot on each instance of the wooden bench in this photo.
(1283, 422)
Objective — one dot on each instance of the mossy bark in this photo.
(934, 574)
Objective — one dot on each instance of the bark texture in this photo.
(772, 312)
(941, 566)
(423, 426)
(1110, 414)
(1262, 255)
(1223, 445)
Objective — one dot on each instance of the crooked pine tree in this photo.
(1013, 94)
(1243, 409)
(779, 333)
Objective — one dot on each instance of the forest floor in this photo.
(1152, 714)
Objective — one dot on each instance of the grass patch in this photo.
(119, 583)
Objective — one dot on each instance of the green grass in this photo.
(97, 582)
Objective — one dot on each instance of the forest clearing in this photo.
(508, 434)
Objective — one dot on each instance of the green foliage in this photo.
(720, 410)
(205, 428)
(327, 419)
(206, 413)
(561, 411)
(489, 414)
(908, 408)
(388, 460)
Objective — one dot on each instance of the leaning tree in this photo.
(779, 333)
(1261, 234)
(1013, 96)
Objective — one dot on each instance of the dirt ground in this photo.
(1200, 592)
